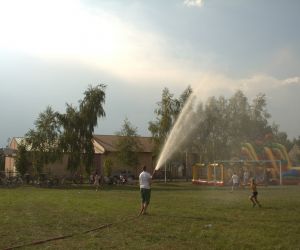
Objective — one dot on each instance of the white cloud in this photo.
(291, 80)
(216, 84)
(64, 30)
(193, 3)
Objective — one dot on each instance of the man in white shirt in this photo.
(145, 180)
(235, 181)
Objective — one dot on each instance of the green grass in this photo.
(182, 216)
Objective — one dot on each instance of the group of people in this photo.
(253, 186)
(236, 180)
(145, 181)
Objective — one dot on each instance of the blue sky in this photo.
(51, 50)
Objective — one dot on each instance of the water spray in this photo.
(183, 127)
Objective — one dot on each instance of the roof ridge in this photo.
(140, 136)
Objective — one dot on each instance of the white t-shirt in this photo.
(246, 175)
(235, 179)
(145, 179)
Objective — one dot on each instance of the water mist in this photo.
(183, 127)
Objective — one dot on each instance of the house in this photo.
(10, 153)
(104, 147)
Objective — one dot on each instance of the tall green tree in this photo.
(227, 123)
(166, 113)
(181, 101)
(128, 145)
(259, 118)
(22, 161)
(108, 164)
(78, 128)
(44, 140)
(2, 160)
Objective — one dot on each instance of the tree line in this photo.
(57, 134)
(223, 124)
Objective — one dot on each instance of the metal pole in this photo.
(186, 167)
(214, 174)
(165, 172)
(280, 173)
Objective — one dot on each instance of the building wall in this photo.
(58, 168)
(13, 144)
(10, 165)
(144, 159)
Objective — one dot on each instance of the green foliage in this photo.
(166, 114)
(78, 127)
(22, 161)
(2, 160)
(71, 133)
(128, 145)
(43, 140)
(224, 124)
(108, 164)
(230, 122)
(164, 119)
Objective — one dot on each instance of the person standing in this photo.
(145, 180)
(91, 179)
(97, 181)
(253, 197)
(235, 181)
(246, 177)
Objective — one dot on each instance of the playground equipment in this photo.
(212, 174)
(269, 162)
(278, 157)
(219, 173)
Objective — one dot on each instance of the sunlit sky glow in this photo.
(51, 50)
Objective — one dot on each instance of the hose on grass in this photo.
(38, 242)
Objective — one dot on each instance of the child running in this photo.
(253, 197)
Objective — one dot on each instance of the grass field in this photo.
(181, 216)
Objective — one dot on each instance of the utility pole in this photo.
(186, 165)
(165, 172)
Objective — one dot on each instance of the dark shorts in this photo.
(254, 194)
(145, 195)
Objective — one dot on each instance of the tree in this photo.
(108, 164)
(2, 160)
(128, 145)
(181, 101)
(259, 126)
(44, 139)
(78, 128)
(166, 113)
(281, 137)
(71, 133)
(22, 161)
(226, 123)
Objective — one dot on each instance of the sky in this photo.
(52, 50)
